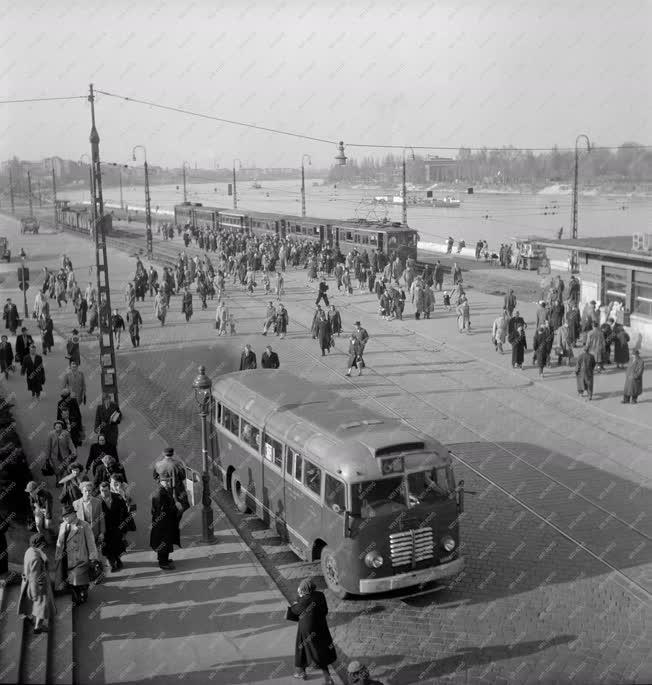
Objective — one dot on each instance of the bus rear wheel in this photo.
(331, 573)
(238, 494)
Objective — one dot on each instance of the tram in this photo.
(76, 217)
(387, 237)
(374, 500)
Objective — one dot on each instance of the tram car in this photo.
(76, 217)
(388, 237)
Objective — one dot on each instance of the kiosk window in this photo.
(251, 435)
(335, 497)
(313, 478)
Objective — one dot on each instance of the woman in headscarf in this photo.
(36, 596)
(314, 644)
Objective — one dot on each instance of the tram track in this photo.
(612, 517)
(545, 518)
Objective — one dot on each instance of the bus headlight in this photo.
(373, 560)
(448, 543)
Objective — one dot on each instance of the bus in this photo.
(369, 497)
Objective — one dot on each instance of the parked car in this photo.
(29, 224)
(5, 252)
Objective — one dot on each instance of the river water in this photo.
(494, 217)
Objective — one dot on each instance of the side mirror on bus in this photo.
(347, 530)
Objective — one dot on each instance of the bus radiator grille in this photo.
(411, 546)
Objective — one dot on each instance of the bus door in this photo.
(302, 512)
(334, 509)
(273, 493)
(381, 242)
(329, 235)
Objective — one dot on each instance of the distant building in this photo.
(613, 269)
(441, 169)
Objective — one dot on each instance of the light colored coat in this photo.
(95, 518)
(36, 595)
(76, 383)
(80, 549)
(65, 447)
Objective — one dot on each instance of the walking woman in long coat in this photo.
(620, 339)
(584, 372)
(36, 596)
(519, 345)
(165, 532)
(186, 305)
(314, 644)
(634, 379)
(324, 334)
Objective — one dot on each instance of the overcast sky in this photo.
(531, 74)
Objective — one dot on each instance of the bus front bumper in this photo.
(411, 578)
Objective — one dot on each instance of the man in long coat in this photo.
(36, 596)
(34, 371)
(584, 367)
(509, 302)
(595, 344)
(633, 379)
(10, 315)
(6, 356)
(116, 514)
(89, 509)
(165, 531)
(269, 359)
(23, 342)
(75, 381)
(335, 320)
(107, 418)
(573, 321)
(61, 450)
(324, 334)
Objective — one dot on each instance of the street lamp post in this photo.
(574, 264)
(303, 184)
(29, 193)
(90, 182)
(235, 193)
(148, 204)
(11, 191)
(24, 288)
(185, 191)
(202, 387)
(54, 196)
(405, 186)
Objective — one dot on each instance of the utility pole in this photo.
(54, 196)
(574, 264)
(303, 184)
(185, 191)
(235, 192)
(29, 193)
(121, 202)
(148, 204)
(11, 191)
(405, 186)
(38, 185)
(108, 375)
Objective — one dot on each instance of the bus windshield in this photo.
(392, 495)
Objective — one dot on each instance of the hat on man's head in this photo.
(75, 331)
(168, 451)
(357, 323)
(76, 465)
(636, 351)
(23, 330)
(592, 302)
(67, 509)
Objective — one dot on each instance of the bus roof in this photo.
(338, 434)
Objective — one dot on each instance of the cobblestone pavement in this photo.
(562, 487)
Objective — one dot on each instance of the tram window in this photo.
(365, 239)
(349, 236)
(356, 237)
(392, 240)
(273, 451)
(218, 413)
(313, 478)
(251, 435)
(315, 230)
(231, 421)
(289, 454)
(335, 494)
(298, 467)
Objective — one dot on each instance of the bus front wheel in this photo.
(238, 494)
(331, 573)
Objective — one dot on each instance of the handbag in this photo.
(290, 615)
(47, 469)
(95, 570)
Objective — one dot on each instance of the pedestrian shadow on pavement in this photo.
(463, 660)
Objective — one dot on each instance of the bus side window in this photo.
(313, 478)
(218, 413)
(298, 467)
(251, 435)
(231, 421)
(273, 451)
(335, 494)
(289, 454)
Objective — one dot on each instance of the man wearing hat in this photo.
(69, 404)
(32, 363)
(165, 531)
(634, 378)
(40, 504)
(173, 469)
(23, 342)
(89, 509)
(72, 348)
(61, 450)
(269, 359)
(75, 550)
(362, 336)
(248, 358)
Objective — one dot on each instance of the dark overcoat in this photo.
(314, 644)
(584, 372)
(116, 514)
(34, 372)
(620, 339)
(269, 361)
(355, 352)
(103, 423)
(22, 346)
(6, 356)
(336, 322)
(165, 531)
(248, 361)
(634, 378)
(324, 334)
